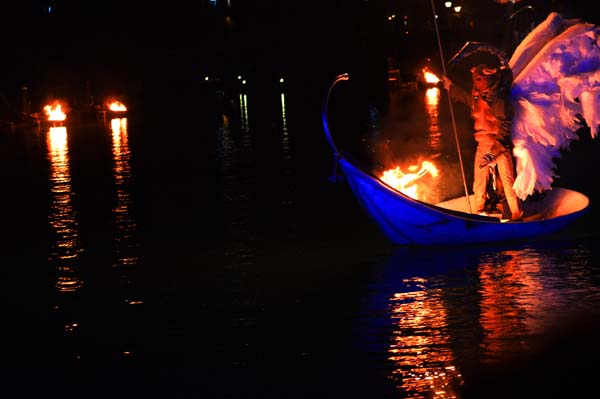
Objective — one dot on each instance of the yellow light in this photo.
(457, 8)
(448, 4)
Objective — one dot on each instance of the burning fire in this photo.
(430, 77)
(406, 182)
(117, 106)
(55, 112)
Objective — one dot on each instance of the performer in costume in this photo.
(492, 113)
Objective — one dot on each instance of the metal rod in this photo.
(462, 169)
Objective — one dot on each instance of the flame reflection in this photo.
(432, 102)
(512, 301)
(124, 221)
(66, 247)
(420, 347)
(460, 312)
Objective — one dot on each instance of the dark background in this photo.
(73, 50)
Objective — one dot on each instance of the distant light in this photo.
(457, 8)
(49, 9)
(244, 81)
(448, 4)
(239, 77)
(206, 78)
(281, 80)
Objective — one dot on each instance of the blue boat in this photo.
(407, 221)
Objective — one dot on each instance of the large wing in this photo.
(556, 89)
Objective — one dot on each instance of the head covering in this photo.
(497, 78)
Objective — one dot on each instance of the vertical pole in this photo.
(462, 169)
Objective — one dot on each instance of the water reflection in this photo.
(432, 102)
(434, 142)
(421, 346)
(244, 112)
(452, 311)
(125, 241)
(287, 182)
(285, 138)
(66, 247)
(524, 295)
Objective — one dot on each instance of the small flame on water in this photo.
(430, 77)
(55, 113)
(407, 182)
(117, 106)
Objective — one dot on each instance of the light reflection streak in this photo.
(432, 101)
(514, 303)
(244, 111)
(432, 107)
(63, 218)
(420, 346)
(285, 139)
(245, 128)
(234, 153)
(124, 222)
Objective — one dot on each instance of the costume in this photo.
(492, 113)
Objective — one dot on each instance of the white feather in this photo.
(556, 89)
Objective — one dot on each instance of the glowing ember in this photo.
(430, 77)
(55, 113)
(117, 106)
(406, 182)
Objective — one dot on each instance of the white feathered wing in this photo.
(556, 88)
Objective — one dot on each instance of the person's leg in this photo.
(480, 178)
(506, 173)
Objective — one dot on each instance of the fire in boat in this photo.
(410, 180)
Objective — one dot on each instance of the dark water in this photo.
(197, 248)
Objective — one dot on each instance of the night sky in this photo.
(53, 45)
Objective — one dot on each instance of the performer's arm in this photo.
(457, 93)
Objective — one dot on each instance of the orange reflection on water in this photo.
(124, 222)
(432, 102)
(420, 349)
(512, 301)
(63, 219)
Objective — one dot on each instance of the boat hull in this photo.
(406, 221)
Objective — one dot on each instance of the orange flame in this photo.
(430, 77)
(406, 182)
(117, 106)
(55, 113)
